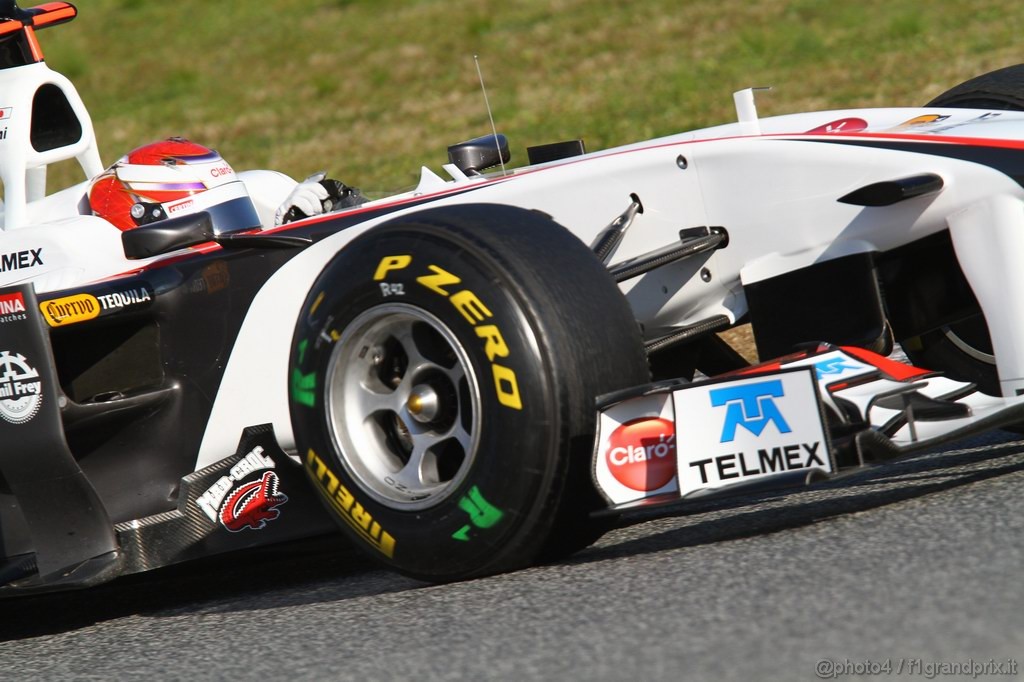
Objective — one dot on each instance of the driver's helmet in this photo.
(169, 179)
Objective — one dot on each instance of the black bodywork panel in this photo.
(924, 286)
(838, 300)
(132, 366)
(913, 289)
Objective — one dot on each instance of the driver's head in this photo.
(168, 179)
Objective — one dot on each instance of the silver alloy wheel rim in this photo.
(403, 406)
(967, 348)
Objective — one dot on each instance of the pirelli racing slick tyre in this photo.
(443, 376)
(1002, 89)
(963, 350)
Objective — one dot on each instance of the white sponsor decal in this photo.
(210, 501)
(123, 299)
(746, 429)
(21, 391)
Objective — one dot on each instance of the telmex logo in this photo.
(70, 309)
(750, 406)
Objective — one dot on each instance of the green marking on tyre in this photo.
(482, 513)
(303, 388)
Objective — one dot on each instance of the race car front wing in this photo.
(802, 419)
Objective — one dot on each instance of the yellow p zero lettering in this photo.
(467, 303)
(507, 387)
(494, 344)
(474, 311)
(440, 278)
(389, 263)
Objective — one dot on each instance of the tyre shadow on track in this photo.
(316, 570)
(735, 518)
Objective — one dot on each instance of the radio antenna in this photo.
(487, 103)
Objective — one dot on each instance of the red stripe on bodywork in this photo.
(932, 139)
(897, 370)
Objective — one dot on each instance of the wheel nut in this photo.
(423, 404)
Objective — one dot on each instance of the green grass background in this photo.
(372, 89)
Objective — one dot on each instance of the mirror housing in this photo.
(481, 153)
(167, 235)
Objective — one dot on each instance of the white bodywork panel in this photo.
(772, 183)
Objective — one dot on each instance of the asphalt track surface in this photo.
(916, 563)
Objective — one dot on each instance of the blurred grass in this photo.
(372, 89)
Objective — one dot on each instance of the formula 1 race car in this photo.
(482, 372)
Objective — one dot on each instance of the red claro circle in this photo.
(641, 454)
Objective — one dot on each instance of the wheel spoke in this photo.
(373, 401)
(421, 470)
(464, 438)
(417, 360)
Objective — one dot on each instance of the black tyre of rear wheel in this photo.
(963, 350)
(1002, 89)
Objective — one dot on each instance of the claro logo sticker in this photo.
(21, 390)
(70, 309)
(641, 454)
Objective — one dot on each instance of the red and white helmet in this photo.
(168, 179)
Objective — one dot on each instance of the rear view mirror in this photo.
(473, 156)
(167, 235)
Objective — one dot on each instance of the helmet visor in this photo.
(229, 206)
(233, 216)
